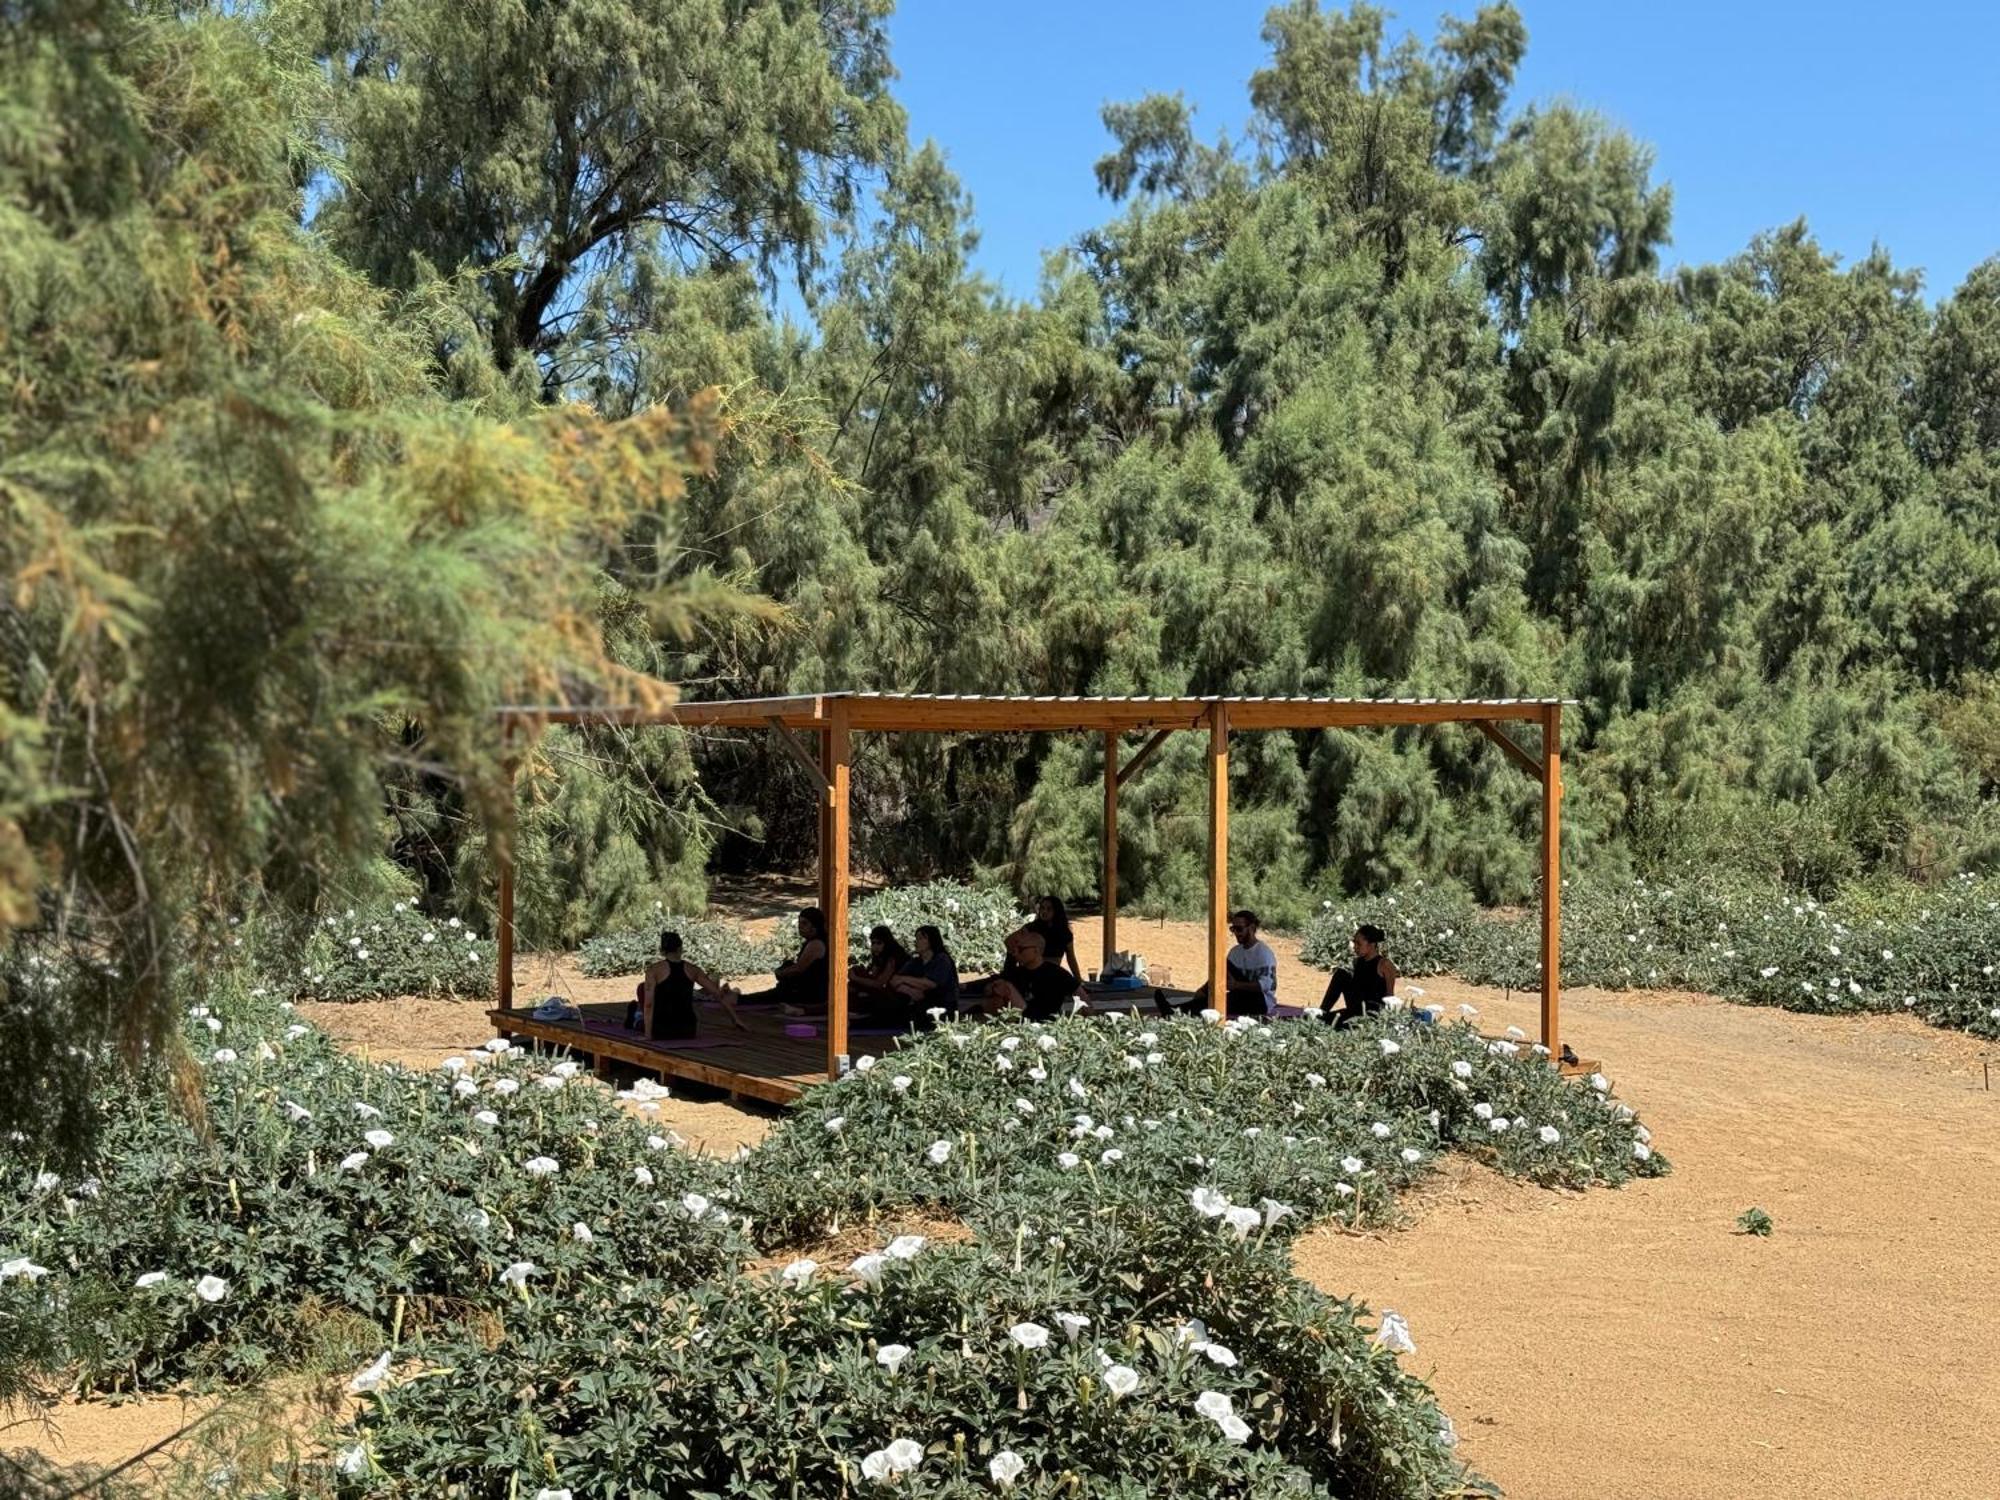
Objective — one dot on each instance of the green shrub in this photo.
(266, 1197)
(1426, 925)
(367, 953)
(974, 920)
(721, 948)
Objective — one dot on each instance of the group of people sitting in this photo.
(901, 988)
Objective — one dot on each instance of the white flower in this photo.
(541, 1166)
(900, 1082)
(1352, 1165)
(1214, 1405)
(549, 1494)
(1068, 1160)
(1497, 1124)
(487, 1117)
(1380, 1131)
(1642, 1151)
(891, 1356)
(354, 1161)
(151, 1278)
(551, 1081)
(1345, 1189)
(1461, 1069)
(1243, 1220)
(1006, 1467)
(1029, 1335)
(834, 1124)
(1550, 1135)
(1274, 1211)
(904, 1455)
(936, 1013)
(1316, 1080)
(211, 1288)
(1077, 1089)
(518, 1273)
(939, 1152)
(1389, 1048)
(1121, 1380)
(1111, 1157)
(1039, 1073)
(297, 1112)
(1394, 1333)
(450, 922)
(1235, 1428)
(465, 1088)
(505, 1086)
(905, 1247)
(876, 1466)
(869, 1268)
(798, 1273)
(1768, 972)
(1412, 1155)
(695, 1204)
(479, 1218)
(1483, 1110)
(381, 1140)
(580, 1232)
(1072, 1324)
(1220, 1354)
(370, 1377)
(863, 1063)
(224, 1055)
(25, 1269)
(1208, 1202)
(353, 1460)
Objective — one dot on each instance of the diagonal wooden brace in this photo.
(805, 758)
(1506, 742)
(1138, 762)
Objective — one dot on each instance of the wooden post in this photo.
(505, 936)
(1110, 887)
(1552, 879)
(1218, 857)
(833, 874)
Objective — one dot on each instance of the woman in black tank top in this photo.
(665, 1001)
(1364, 987)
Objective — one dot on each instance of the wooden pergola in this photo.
(818, 730)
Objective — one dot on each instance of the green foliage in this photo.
(375, 952)
(974, 920)
(1754, 1221)
(324, 1241)
(722, 949)
(1426, 926)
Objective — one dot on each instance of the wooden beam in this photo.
(1551, 770)
(1508, 743)
(1138, 762)
(1108, 890)
(505, 846)
(641, 1054)
(834, 873)
(1218, 857)
(799, 753)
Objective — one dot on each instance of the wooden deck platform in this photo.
(757, 1062)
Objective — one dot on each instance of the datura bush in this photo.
(533, 1290)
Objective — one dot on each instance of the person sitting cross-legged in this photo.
(1251, 976)
(664, 1005)
(1036, 987)
(928, 981)
(1362, 990)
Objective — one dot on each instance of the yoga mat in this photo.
(681, 1044)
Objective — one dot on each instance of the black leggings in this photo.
(1343, 987)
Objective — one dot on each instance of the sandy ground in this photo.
(1612, 1343)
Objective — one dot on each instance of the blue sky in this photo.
(1876, 123)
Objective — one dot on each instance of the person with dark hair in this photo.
(1251, 980)
(802, 983)
(871, 981)
(929, 981)
(1039, 989)
(1361, 990)
(664, 1005)
(1058, 941)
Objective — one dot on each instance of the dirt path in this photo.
(1628, 1343)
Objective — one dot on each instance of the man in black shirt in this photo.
(1042, 990)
